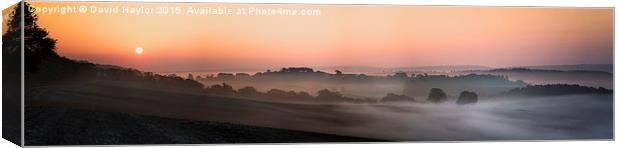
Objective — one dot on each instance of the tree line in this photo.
(436, 95)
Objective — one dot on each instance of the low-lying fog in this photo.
(562, 117)
(532, 118)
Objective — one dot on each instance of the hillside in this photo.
(62, 126)
(542, 76)
(578, 67)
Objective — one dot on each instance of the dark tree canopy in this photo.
(390, 97)
(338, 72)
(325, 94)
(223, 89)
(467, 97)
(248, 90)
(38, 45)
(400, 75)
(437, 96)
(190, 76)
(556, 90)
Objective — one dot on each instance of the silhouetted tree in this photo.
(248, 90)
(326, 95)
(277, 93)
(304, 95)
(437, 96)
(467, 97)
(296, 70)
(338, 72)
(242, 75)
(190, 76)
(38, 45)
(225, 76)
(390, 97)
(556, 90)
(289, 95)
(400, 75)
(223, 89)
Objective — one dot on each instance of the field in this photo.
(558, 117)
(61, 126)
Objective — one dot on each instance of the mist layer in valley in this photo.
(515, 111)
(585, 116)
(414, 83)
(534, 118)
(509, 108)
(395, 107)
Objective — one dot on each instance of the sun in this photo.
(139, 50)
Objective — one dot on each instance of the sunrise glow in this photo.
(353, 35)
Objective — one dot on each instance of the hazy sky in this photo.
(352, 35)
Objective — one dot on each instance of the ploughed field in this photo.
(62, 126)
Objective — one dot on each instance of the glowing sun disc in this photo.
(139, 50)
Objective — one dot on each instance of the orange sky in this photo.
(351, 35)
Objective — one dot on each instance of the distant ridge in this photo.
(440, 68)
(577, 67)
(365, 69)
(586, 76)
(106, 66)
(443, 68)
(405, 69)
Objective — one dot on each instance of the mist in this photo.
(537, 118)
(559, 117)
(565, 117)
